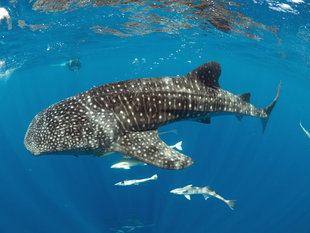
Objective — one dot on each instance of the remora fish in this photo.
(305, 131)
(124, 116)
(127, 162)
(136, 182)
(205, 191)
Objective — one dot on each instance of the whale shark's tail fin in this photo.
(269, 108)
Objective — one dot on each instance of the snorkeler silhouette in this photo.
(74, 64)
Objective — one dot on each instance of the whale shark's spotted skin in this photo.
(124, 116)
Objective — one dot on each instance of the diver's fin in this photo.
(146, 146)
(269, 108)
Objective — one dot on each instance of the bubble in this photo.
(304, 32)
(4, 14)
(5, 73)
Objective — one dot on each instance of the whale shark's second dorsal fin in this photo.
(208, 73)
(245, 97)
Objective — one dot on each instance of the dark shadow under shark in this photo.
(124, 116)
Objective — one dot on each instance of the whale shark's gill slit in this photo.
(123, 109)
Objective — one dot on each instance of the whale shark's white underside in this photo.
(124, 116)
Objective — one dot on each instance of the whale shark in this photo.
(125, 116)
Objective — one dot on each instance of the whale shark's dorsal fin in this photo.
(146, 146)
(208, 73)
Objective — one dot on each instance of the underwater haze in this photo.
(51, 50)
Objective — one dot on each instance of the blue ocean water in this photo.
(258, 43)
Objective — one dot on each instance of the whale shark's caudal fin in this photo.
(269, 108)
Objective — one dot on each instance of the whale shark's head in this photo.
(32, 140)
(47, 134)
(58, 129)
(70, 127)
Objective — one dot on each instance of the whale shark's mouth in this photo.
(31, 145)
(29, 140)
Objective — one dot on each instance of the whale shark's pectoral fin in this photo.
(146, 146)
